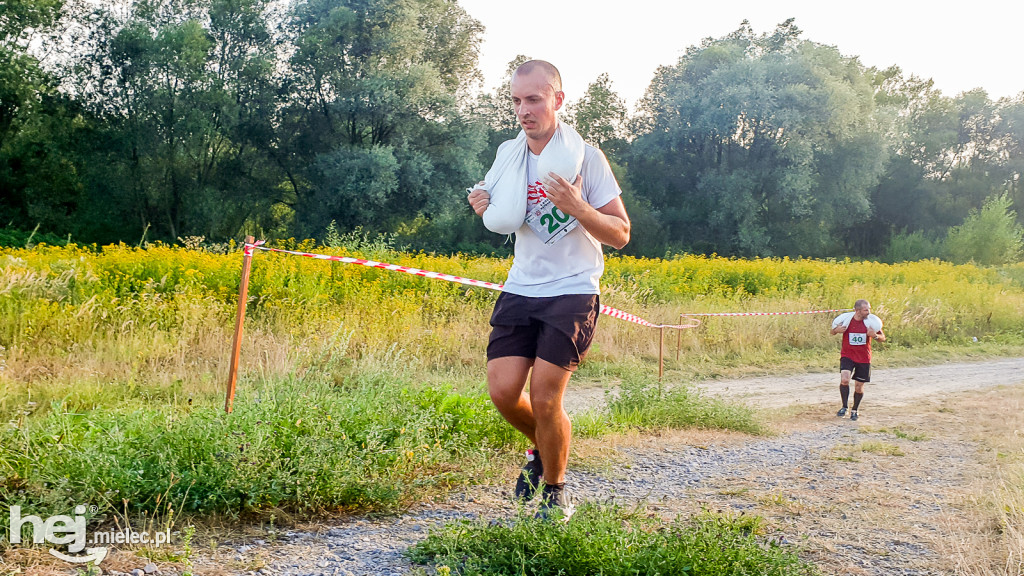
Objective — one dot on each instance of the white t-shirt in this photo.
(573, 264)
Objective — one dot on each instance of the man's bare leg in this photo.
(551, 423)
(506, 380)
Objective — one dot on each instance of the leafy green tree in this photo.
(41, 167)
(600, 115)
(187, 90)
(377, 83)
(918, 129)
(990, 236)
(20, 81)
(948, 156)
(1010, 130)
(20, 16)
(647, 236)
(247, 91)
(912, 246)
(758, 145)
(40, 181)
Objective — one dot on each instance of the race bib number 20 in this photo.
(549, 223)
(858, 339)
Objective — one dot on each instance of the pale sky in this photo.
(959, 45)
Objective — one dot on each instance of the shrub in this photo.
(909, 247)
(989, 237)
(14, 238)
(643, 405)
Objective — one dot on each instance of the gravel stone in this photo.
(661, 478)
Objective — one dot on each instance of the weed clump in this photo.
(610, 541)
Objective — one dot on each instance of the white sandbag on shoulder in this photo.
(873, 322)
(565, 158)
(506, 180)
(842, 320)
(506, 184)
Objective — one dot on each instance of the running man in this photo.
(858, 328)
(544, 320)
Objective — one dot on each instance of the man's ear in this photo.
(559, 99)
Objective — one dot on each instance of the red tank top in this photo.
(856, 344)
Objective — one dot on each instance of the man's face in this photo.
(535, 102)
(862, 312)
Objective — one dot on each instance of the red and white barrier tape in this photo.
(769, 313)
(386, 266)
(615, 313)
(607, 310)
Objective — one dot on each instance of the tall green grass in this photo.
(375, 441)
(363, 388)
(610, 542)
(644, 405)
(81, 317)
(371, 443)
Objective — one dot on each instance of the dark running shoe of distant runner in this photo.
(842, 412)
(530, 476)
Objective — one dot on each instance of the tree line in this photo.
(174, 119)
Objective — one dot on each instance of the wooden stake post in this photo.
(236, 345)
(679, 338)
(661, 352)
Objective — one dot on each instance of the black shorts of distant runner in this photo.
(861, 370)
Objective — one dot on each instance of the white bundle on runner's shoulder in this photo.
(506, 180)
(873, 322)
(563, 155)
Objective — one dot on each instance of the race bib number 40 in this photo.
(858, 339)
(549, 223)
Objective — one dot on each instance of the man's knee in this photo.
(504, 396)
(859, 387)
(546, 407)
(844, 377)
(506, 378)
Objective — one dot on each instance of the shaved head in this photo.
(536, 90)
(544, 67)
(861, 304)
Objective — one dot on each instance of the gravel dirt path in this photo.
(821, 482)
(888, 387)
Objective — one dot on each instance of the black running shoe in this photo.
(853, 415)
(842, 412)
(530, 476)
(555, 503)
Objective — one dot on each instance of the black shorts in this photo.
(557, 329)
(861, 370)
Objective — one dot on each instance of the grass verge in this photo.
(610, 541)
(303, 445)
(374, 441)
(644, 405)
(984, 528)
